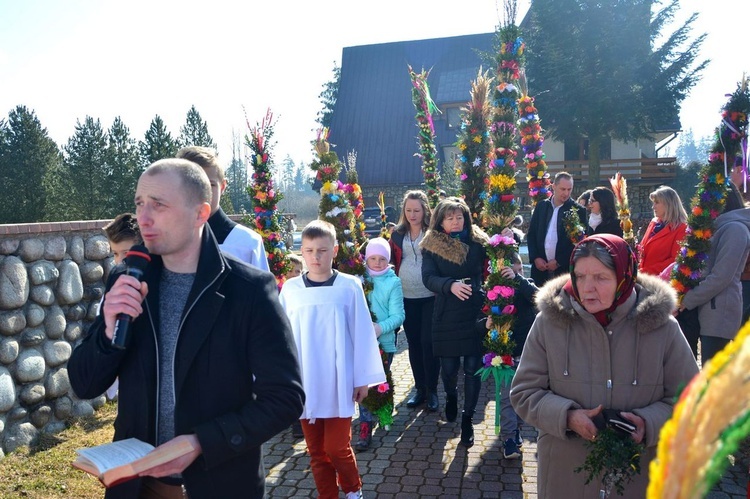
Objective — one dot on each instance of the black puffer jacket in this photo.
(444, 261)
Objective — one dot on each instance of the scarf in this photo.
(626, 269)
(594, 220)
(376, 273)
(462, 235)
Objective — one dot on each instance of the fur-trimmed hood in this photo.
(451, 249)
(654, 303)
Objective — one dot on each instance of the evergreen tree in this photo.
(598, 74)
(287, 172)
(157, 144)
(301, 179)
(328, 98)
(450, 182)
(26, 157)
(123, 160)
(237, 181)
(85, 157)
(195, 131)
(687, 150)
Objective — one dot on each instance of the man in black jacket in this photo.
(549, 245)
(209, 358)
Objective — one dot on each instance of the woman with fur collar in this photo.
(453, 263)
(602, 340)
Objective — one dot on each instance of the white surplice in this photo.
(336, 343)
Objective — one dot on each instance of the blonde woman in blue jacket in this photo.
(386, 301)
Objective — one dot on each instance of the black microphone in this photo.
(136, 261)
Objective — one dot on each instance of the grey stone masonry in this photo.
(52, 277)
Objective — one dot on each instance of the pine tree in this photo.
(123, 160)
(195, 131)
(26, 157)
(328, 98)
(157, 144)
(450, 180)
(85, 157)
(301, 179)
(286, 173)
(687, 150)
(237, 181)
(598, 74)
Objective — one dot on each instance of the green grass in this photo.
(44, 470)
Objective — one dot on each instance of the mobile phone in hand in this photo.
(618, 422)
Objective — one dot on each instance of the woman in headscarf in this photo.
(603, 339)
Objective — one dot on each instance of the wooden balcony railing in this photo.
(641, 170)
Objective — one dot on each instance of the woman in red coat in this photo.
(659, 245)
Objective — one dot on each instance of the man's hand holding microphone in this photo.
(123, 302)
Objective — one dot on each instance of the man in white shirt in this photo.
(549, 246)
(233, 238)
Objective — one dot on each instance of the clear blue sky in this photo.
(140, 58)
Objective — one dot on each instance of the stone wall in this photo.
(52, 279)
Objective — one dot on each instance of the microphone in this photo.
(136, 261)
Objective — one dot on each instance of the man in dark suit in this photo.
(549, 245)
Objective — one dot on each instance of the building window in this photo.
(453, 117)
(450, 155)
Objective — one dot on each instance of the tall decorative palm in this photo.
(335, 207)
(500, 206)
(475, 144)
(265, 197)
(532, 140)
(729, 150)
(425, 107)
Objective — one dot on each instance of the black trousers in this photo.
(691, 328)
(425, 367)
(472, 382)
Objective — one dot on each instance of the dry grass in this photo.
(44, 470)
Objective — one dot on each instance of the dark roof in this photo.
(374, 114)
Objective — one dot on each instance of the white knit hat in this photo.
(378, 246)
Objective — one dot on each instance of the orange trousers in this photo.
(331, 456)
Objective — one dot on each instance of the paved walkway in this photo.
(420, 456)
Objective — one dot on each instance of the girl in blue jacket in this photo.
(386, 301)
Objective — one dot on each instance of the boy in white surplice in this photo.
(338, 355)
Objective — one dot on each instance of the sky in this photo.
(232, 59)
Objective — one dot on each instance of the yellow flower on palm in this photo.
(503, 336)
(462, 146)
(328, 188)
(502, 182)
(477, 139)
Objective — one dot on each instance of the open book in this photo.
(123, 460)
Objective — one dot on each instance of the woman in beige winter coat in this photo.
(602, 340)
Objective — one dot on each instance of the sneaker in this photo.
(510, 450)
(519, 439)
(365, 437)
(355, 495)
